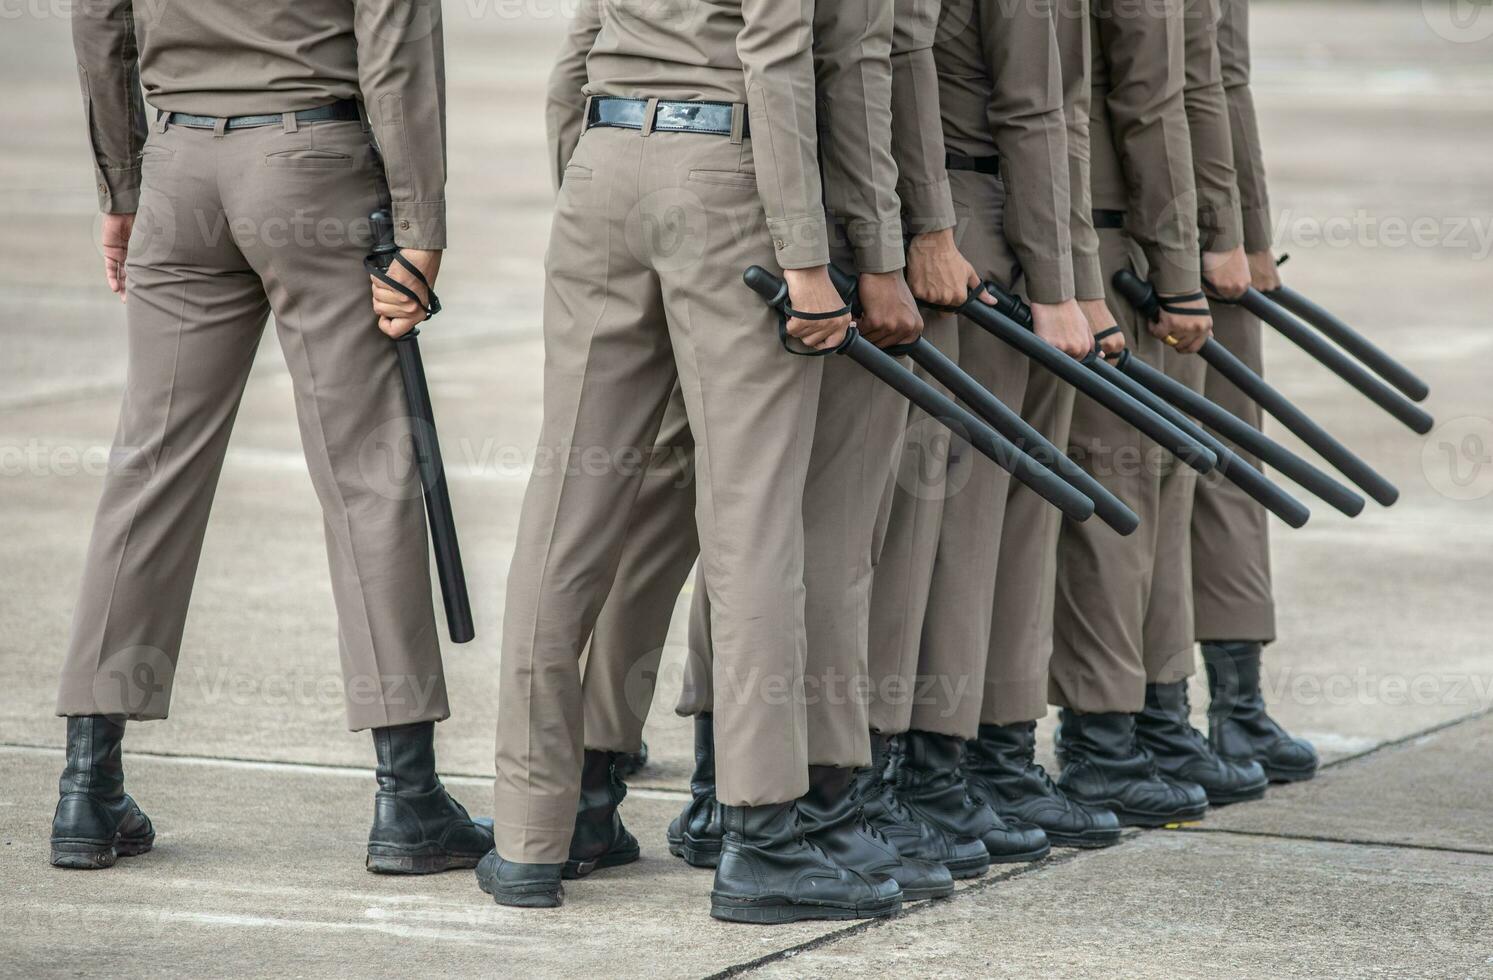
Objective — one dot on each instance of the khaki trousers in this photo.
(230, 229)
(855, 442)
(1122, 613)
(947, 678)
(1230, 531)
(650, 236)
(1021, 641)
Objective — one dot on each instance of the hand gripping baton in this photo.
(422, 429)
(939, 406)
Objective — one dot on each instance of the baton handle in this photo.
(1019, 335)
(1340, 364)
(1234, 467)
(1244, 435)
(942, 408)
(428, 460)
(1142, 295)
(1352, 341)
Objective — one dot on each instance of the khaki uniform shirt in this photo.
(756, 52)
(221, 58)
(1138, 76)
(1249, 162)
(1071, 20)
(1001, 91)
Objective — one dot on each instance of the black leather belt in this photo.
(1108, 218)
(343, 111)
(669, 117)
(980, 165)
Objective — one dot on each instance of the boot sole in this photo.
(925, 894)
(1089, 840)
(968, 867)
(1139, 818)
(611, 859)
(1239, 796)
(695, 853)
(1278, 775)
(1029, 856)
(776, 910)
(391, 859)
(532, 896)
(82, 854)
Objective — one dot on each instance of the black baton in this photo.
(1244, 435)
(940, 407)
(1142, 295)
(1235, 468)
(427, 448)
(1158, 429)
(1340, 364)
(1352, 341)
(1107, 507)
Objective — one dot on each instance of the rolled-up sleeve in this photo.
(109, 74)
(1208, 122)
(1249, 159)
(1142, 41)
(852, 58)
(1074, 49)
(1026, 118)
(564, 102)
(775, 47)
(402, 75)
(917, 124)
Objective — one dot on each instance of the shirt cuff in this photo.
(1174, 272)
(877, 245)
(1048, 280)
(1258, 235)
(1088, 277)
(800, 242)
(119, 190)
(420, 224)
(927, 208)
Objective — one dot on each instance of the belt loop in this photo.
(649, 115)
(220, 126)
(363, 118)
(163, 120)
(290, 123)
(738, 122)
(586, 113)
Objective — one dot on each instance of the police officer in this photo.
(698, 160)
(1001, 761)
(243, 191)
(1231, 582)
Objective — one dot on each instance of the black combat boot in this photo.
(600, 840)
(832, 818)
(1164, 728)
(631, 763)
(417, 827)
(695, 834)
(930, 784)
(527, 886)
(769, 873)
(875, 791)
(1104, 766)
(1001, 765)
(96, 822)
(1239, 728)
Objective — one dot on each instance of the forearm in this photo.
(1208, 124)
(1074, 50)
(852, 58)
(775, 50)
(401, 72)
(109, 75)
(1249, 161)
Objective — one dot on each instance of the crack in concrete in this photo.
(1328, 839)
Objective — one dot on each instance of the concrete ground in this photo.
(1378, 126)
